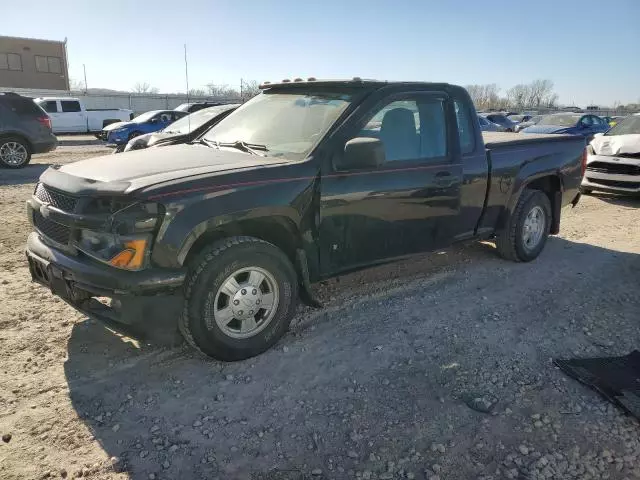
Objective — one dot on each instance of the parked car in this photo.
(613, 159)
(187, 129)
(120, 133)
(533, 120)
(25, 129)
(487, 126)
(518, 118)
(303, 182)
(69, 115)
(507, 124)
(586, 125)
(195, 106)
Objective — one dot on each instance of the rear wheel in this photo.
(14, 152)
(240, 296)
(525, 234)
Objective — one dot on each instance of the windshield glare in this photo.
(195, 120)
(628, 126)
(559, 120)
(287, 124)
(146, 116)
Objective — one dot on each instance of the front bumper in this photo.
(612, 174)
(132, 298)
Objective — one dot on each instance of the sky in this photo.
(588, 48)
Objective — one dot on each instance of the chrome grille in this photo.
(56, 199)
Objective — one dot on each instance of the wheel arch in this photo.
(277, 230)
(549, 183)
(19, 135)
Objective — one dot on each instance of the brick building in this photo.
(32, 63)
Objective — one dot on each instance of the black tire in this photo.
(13, 142)
(207, 273)
(510, 240)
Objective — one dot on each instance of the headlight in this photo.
(118, 130)
(590, 150)
(126, 252)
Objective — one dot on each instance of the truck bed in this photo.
(501, 139)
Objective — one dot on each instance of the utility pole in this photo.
(86, 88)
(241, 97)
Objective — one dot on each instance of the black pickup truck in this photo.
(305, 181)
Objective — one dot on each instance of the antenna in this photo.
(186, 76)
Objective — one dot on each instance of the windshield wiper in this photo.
(204, 141)
(251, 148)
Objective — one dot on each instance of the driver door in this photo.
(401, 206)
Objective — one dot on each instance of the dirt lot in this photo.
(373, 386)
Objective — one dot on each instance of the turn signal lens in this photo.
(123, 258)
(132, 257)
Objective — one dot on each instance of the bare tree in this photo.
(197, 92)
(485, 96)
(223, 91)
(144, 87)
(249, 89)
(518, 96)
(76, 85)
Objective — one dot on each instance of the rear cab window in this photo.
(466, 132)
(70, 105)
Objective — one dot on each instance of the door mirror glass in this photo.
(362, 153)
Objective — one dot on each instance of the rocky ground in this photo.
(434, 368)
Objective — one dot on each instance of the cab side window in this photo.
(465, 126)
(409, 129)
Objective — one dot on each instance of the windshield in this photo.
(189, 123)
(287, 124)
(628, 126)
(516, 118)
(560, 120)
(145, 117)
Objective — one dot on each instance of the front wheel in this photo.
(14, 152)
(525, 234)
(240, 296)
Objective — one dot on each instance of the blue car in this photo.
(586, 125)
(121, 132)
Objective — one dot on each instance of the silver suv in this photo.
(25, 128)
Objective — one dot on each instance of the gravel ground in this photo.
(434, 368)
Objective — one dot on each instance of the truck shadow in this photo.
(79, 141)
(21, 176)
(354, 377)
(622, 200)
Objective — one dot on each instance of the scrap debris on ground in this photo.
(439, 367)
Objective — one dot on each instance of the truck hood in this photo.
(616, 144)
(137, 169)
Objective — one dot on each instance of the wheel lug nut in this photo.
(257, 302)
(250, 312)
(236, 302)
(244, 292)
(254, 291)
(240, 312)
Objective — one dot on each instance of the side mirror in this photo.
(360, 153)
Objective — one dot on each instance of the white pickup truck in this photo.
(70, 115)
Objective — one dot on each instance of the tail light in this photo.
(46, 121)
(584, 162)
